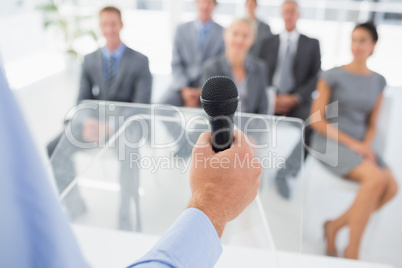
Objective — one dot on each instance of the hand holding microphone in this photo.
(224, 176)
(223, 184)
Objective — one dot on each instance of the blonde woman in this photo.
(247, 72)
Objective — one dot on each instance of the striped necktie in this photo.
(111, 69)
(111, 74)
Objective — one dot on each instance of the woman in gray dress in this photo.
(354, 94)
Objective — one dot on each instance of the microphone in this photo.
(219, 98)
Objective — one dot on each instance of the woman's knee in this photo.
(377, 182)
(392, 185)
(370, 176)
(374, 178)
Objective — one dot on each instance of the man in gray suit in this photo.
(115, 72)
(293, 61)
(194, 43)
(112, 73)
(263, 29)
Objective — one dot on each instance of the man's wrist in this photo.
(215, 216)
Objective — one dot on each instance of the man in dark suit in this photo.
(263, 29)
(194, 43)
(293, 61)
(112, 73)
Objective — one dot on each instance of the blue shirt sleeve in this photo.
(34, 232)
(192, 241)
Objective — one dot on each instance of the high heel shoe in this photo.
(328, 253)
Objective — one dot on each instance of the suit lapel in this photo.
(251, 79)
(194, 41)
(210, 39)
(100, 75)
(299, 52)
(273, 54)
(259, 28)
(225, 67)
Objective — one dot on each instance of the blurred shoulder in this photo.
(271, 40)
(309, 39)
(333, 72)
(93, 55)
(210, 62)
(333, 76)
(256, 62)
(217, 25)
(214, 63)
(135, 55)
(263, 25)
(92, 59)
(184, 26)
(381, 79)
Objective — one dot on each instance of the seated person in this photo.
(247, 72)
(119, 79)
(355, 93)
(194, 43)
(293, 61)
(112, 73)
(263, 29)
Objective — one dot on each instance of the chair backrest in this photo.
(383, 123)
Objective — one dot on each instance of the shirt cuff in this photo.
(191, 241)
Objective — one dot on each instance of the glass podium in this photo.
(126, 167)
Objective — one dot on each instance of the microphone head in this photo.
(219, 96)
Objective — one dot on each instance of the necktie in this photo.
(286, 78)
(111, 81)
(111, 69)
(203, 36)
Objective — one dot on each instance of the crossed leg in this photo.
(378, 186)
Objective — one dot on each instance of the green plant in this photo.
(71, 25)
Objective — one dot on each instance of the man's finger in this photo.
(238, 138)
(204, 145)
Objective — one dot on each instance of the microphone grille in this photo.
(219, 96)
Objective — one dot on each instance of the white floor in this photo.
(46, 102)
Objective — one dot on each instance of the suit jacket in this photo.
(257, 100)
(263, 32)
(307, 64)
(188, 58)
(134, 80)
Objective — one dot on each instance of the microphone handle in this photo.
(222, 132)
